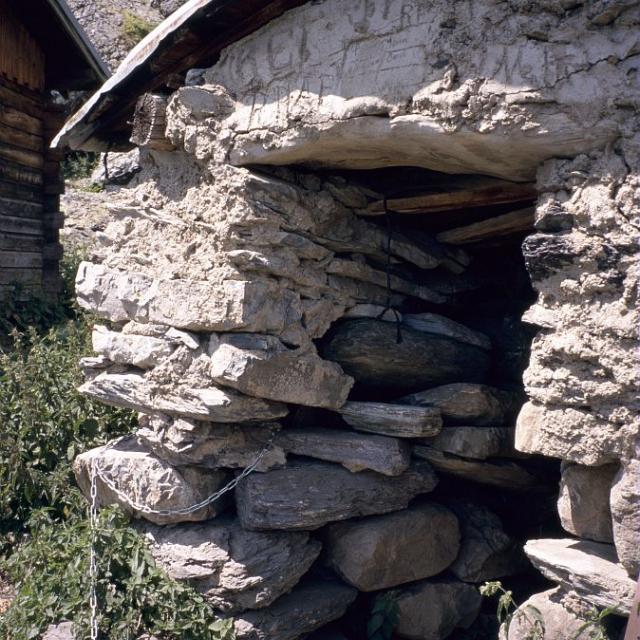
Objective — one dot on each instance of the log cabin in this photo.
(42, 50)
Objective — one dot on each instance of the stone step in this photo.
(590, 569)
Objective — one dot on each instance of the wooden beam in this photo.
(149, 123)
(503, 225)
(492, 193)
(32, 159)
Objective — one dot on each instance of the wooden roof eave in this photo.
(192, 36)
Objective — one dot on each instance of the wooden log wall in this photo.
(30, 184)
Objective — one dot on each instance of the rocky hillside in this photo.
(115, 26)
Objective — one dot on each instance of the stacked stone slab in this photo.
(220, 281)
(216, 295)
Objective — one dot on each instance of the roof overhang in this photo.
(191, 37)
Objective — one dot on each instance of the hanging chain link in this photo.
(96, 473)
(93, 562)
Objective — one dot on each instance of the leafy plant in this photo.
(79, 164)
(134, 27)
(135, 596)
(384, 616)
(508, 610)
(596, 624)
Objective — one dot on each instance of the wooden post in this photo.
(149, 123)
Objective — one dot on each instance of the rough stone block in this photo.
(625, 510)
(384, 551)
(233, 568)
(478, 443)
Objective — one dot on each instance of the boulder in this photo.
(234, 569)
(117, 168)
(307, 495)
(469, 404)
(149, 483)
(182, 442)
(590, 569)
(286, 375)
(486, 551)
(432, 609)
(392, 419)
(369, 351)
(583, 503)
(308, 607)
(478, 443)
(353, 451)
(133, 391)
(496, 473)
(625, 511)
(384, 551)
(558, 622)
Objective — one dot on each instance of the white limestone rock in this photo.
(182, 442)
(234, 569)
(133, 391)
(590, 569)
(147, 481)
(143, 352)
(625, 511)
(384, 551)
(286, 375)
(583, 503)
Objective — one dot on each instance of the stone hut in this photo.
(42, 49)
(387, 253)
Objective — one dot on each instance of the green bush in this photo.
(135, 596)
(79, 164)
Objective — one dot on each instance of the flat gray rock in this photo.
(306, 495)
(368, 351)
(469, 404)
(136, 350)
(60, 631)
(149, 482)
(234, 569)
(308, 607)
(496, 473)
(181, 442)
(478, 443)
(625, 511)
(591, 569)
(583, 503)
(441, 325)
(392, 419)
(432, 609)
(486, 552)
(353, 451)
(286, 375)
(133, 391)
(384, 551)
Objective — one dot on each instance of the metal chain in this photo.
(96, 473)
(93, 563)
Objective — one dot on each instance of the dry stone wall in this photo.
(249, 308)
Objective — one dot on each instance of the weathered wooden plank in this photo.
(14, 172)
(21, 139)
(22, 276)
(52, 251)
(499, 226)
(22, 226)
(53, 220)
(20, 260)
(53, 186)
(20, 98)
(12, 242)
(20, 209)
(19, 120)
(31, 159)
(28, 193)
(476, 196)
